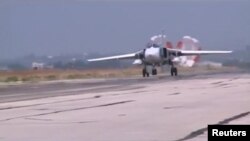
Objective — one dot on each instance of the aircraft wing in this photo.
(178, 52)
(117, 57)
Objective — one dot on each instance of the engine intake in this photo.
(141, 55)
(163, 53)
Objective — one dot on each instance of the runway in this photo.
(161, 108)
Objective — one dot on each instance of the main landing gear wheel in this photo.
(154, 72)
(174, 71)
(145, 73)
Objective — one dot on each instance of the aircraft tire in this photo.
(174, 71)
(144, 72)
(154, 72)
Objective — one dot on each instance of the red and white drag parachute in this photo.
(186, 43)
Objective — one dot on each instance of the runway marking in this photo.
(176, 93)
(45, 103)
(14, 107)
(50, 121)
(42, 109)
(130, 88)
(48, 95)
(142, 91)
(61, 91)
(97, 96)
(83, 122)
(218, 82)
(122, 115)
(203, 130)
(38, 119)
(62, 101)
(69, 110)
(173, 107)
(18, 93)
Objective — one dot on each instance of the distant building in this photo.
(37, 66)
(40, 66)
(210, 63)
(3, 68)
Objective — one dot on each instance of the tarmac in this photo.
(161, 108)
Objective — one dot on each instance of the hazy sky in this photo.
(54, 27)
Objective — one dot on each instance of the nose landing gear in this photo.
(154, 71)
(145, 73)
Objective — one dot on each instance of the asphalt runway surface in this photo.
(161, 108)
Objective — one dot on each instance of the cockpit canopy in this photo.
(152, 45)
